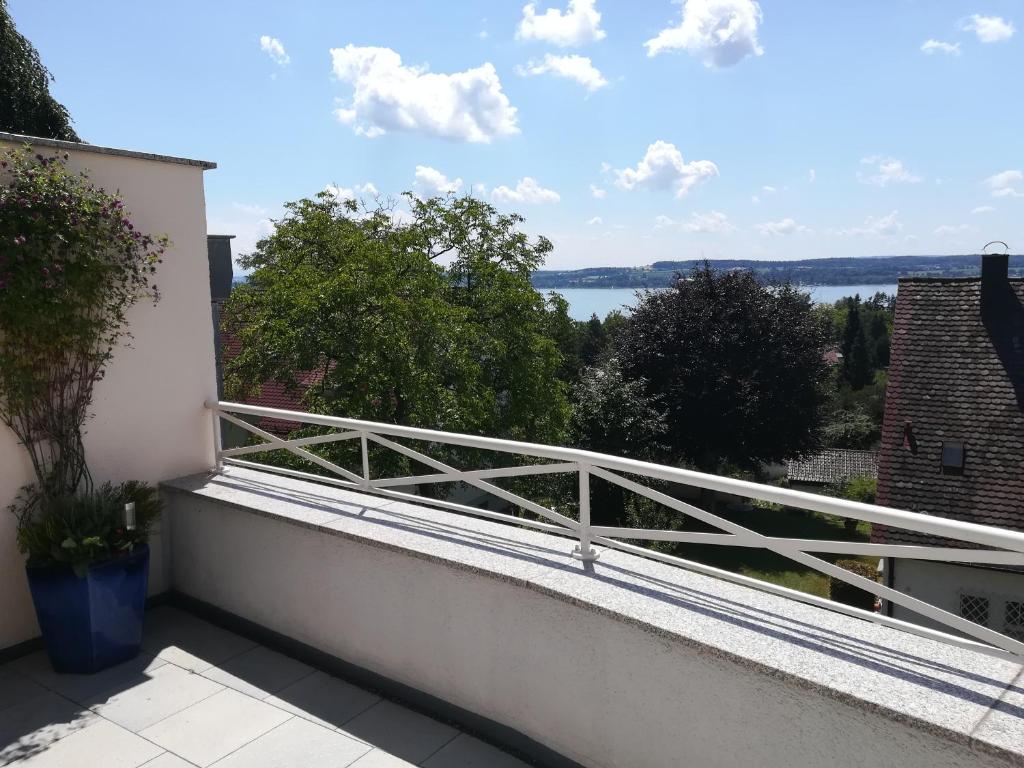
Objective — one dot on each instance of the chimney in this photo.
(994, 268)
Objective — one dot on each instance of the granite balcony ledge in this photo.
(957, 695)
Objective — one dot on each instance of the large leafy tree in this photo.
(736, 365)
(426, 320)
(26, 105)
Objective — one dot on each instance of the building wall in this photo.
(602, 692)
(942, 585)
(148, 420)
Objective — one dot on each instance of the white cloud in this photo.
(888, 171)
(720, 32)
(768, 190)
(1004, 184)
(946, 230)
(595, 221)
(579, 24)
(712, 222)
(248, 223)
(989, 29)
(527, 190)
(389, 96)
(982, 209)
(879, 226)
(662, 167)
(812, 176)
(273, 48)
(573, 67)
(479, 190)
(598, 192)
(432, 182)
(939, 46)
(786, 226)
(352, 193)
(755, 199)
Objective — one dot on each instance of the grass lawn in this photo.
(769, 566)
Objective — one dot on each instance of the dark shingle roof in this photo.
(833, 466)
(956, 374)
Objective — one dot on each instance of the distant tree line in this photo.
(825, 271)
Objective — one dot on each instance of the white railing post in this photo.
(583, 550)
(366, 459)
(218, 440)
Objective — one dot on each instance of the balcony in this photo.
(202, 695)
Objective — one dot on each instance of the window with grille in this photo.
(1014, 620)
(974, 608)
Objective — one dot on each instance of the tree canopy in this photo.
(427, 319)
(736, 365)
(26, 105)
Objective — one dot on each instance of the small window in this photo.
(953, 457)
(974, 608)
(1014, 620)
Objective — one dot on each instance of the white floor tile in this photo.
(215, 727)
(34, 725)
(16, 688)
(168, 760)
(467, 752)
(188, 641)
(378, 758)
(324, 699)
(259, 672)
(101, 743)
(167, 690)
(81, 688)
(400, 731)
(297, 744)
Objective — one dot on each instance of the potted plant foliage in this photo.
(71, 264)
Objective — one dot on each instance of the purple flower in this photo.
(19, 240)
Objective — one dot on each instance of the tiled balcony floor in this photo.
(202, 696)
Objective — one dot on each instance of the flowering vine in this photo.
(71, 264)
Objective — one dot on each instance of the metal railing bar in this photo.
(479, 474)
(786, 549)
(924, 523)
(501, 493)
(909, 551)
(809, 599)
(283, 444)
(266, 447)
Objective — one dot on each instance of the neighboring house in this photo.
(953, 437)
(831, 467)
(272, 394)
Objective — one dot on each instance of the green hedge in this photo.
(842, 592)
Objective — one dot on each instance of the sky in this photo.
(626, 131)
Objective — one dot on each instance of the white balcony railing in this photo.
(999, 546)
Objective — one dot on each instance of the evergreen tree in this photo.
(26, 105)
(856, 363)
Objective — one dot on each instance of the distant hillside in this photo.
(875, 270)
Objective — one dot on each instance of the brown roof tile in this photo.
(956, 374)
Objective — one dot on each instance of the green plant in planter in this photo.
(71, 264)
(88, 528)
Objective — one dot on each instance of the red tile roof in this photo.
(956, 374)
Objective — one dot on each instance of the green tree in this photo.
(26, 105)
(856, 363)
(736, 364)
(361, 298)
(615, 415)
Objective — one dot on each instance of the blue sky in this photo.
(627, 132)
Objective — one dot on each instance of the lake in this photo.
(584, 302)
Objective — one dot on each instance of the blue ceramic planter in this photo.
(92, 623)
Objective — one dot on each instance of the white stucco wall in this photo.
(942, 584)
(595, 688)
(149, 422)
